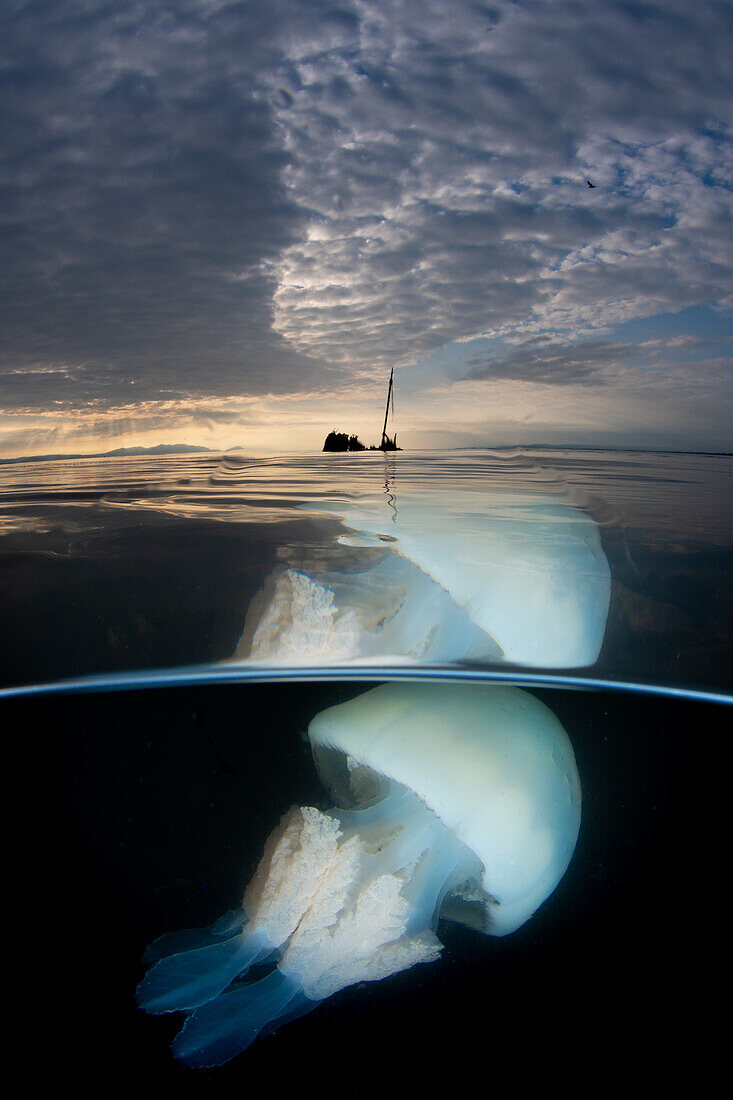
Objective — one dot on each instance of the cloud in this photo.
(443, 163)
(142, 194)
(552, 362)
(212, 198)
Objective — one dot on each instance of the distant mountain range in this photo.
(187, 448)
(161, 449)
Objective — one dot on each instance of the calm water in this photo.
(600, 566)
(145, 812)
(274, 589)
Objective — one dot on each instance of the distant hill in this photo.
(161, 449)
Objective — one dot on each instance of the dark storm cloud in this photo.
(140, 196)
(211, 198)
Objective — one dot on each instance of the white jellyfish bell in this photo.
(500, 576)
(461, 801)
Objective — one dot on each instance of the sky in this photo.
(223, 223)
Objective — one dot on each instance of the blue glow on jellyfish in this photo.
(461, 801)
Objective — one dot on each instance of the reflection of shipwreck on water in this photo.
(340, 441)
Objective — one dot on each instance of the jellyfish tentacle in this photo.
(231, 922)
(191, 978)
(173, 943)
(227, 1025)
(296, 856)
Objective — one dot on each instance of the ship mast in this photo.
(386, 411)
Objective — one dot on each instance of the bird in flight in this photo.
(590, 184)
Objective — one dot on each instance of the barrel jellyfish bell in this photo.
(460, 801)
(492, 577)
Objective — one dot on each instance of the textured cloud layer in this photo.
(443, 154)
(142, 191)
(213, 198)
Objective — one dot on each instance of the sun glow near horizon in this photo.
(522, 210)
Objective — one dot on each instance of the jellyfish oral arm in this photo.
(191, 978)
(378, 905)
(366, 909)
(295, 858)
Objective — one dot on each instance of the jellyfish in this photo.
(459, 801)
(514, 577)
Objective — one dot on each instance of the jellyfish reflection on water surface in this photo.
(460, 801)
(491, 577)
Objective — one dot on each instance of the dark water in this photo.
(144, 812)
(138, 564)
(131, 813)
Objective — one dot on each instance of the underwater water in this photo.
(142, 813)
(173, 626)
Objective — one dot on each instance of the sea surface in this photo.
(172, 624)
(134, 565)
